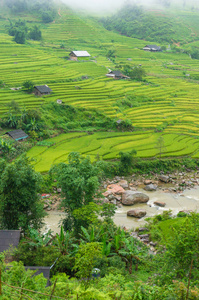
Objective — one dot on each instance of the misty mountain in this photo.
(154, 25)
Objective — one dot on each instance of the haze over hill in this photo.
(112, 5)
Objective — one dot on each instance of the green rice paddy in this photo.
(171, 97)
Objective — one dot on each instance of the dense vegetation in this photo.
(134, 21)
(116, 122)
(95, 258)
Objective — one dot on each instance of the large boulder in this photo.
(132, 197)
(164, 178)
(115, 189)
(136, 213)
(150, 187)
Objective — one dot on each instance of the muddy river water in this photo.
(187, 200)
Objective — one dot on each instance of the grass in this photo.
(172, 104)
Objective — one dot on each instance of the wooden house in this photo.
(74, 55)
(153, 48)
(42, 90)
(9, 238)
(116, 75)
(17, 134)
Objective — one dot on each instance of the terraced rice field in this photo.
(107, 145)
(171, 97)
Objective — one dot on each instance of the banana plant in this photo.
(64, 241)
(91, 235)
(130, 253)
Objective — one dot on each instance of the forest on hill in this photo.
(119, 113)
(163, 26)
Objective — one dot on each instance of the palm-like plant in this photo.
(91, 234)
(64, 241)
(130, 253)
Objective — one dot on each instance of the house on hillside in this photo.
(74, 55)
(116, 75)
(17, 134)
(9, 238)
(153, 48)
(42, 90)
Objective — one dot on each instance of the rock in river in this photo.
(164, 178)
(136, 213)
(132, 197)
(158, 203)
(150, 187)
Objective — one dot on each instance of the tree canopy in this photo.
(20, 205)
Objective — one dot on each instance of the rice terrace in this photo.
(165, 103)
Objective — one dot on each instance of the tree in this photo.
(47, 17)
(35, 33)
(134, 72)
(85, 259)
(28, 86)
(79, 183)
(160, 145)
(137, 73)
(126, 160)
(20, 206)
(20, 37)
(183, 247)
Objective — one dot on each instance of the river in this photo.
(187, 200)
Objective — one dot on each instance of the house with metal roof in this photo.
(153, 48)
(9, 238)
(42, 90)
(17, 134)
(116, 75)
(74, 55)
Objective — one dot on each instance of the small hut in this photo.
(42, 90)
(9, 238)
(17, 134)
(153, 48)
(116, 75)
(74, 55)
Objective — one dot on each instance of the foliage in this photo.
(195, 53)
(183, 248)
(126, 161)
(20, 37)
(35, 33)
(21, 32)
(85, 216)
(20, 203)
(160, 145)
(79, 183)
(135, 21)
(28, 86)
(134, 72)
(85, 259)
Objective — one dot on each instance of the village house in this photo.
(9, 238)
(153, 48)
(116, 75)
(74, 55)
(17, 134)
(42, 90)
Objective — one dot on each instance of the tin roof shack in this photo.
(116, 75)
(153, 48)
(9, 238)
(40, 270)
(42, 90)
(74, 55)
(17, 134)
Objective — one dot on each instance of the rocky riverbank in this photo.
(126, 190)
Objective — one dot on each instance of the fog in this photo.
(112, 5)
